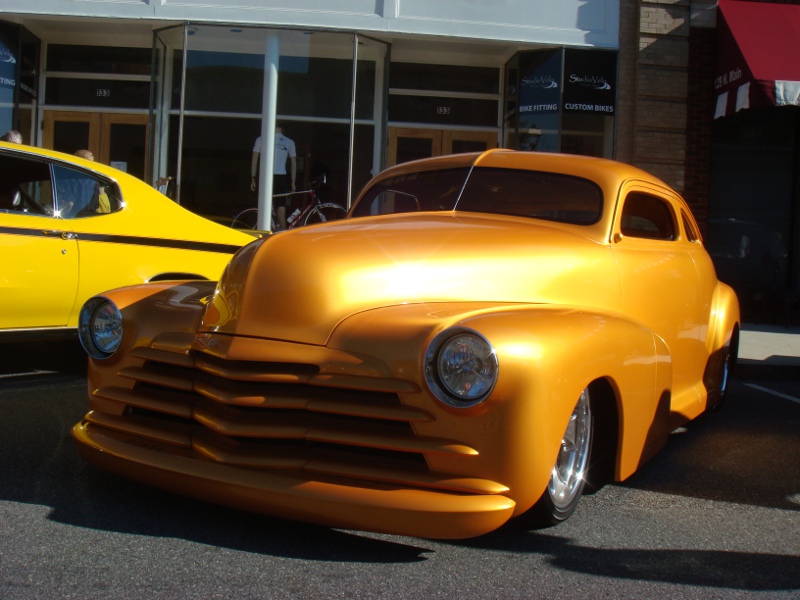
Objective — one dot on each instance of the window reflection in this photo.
(220, 115)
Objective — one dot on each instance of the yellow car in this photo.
(482, 337)
(70, 228)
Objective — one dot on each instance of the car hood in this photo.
(299, 285)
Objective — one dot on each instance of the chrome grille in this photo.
(278, 416)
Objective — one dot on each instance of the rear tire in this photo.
(730, 353)
(569, 474)
(325, 212)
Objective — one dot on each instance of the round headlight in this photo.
(100, 327)
(461, 368)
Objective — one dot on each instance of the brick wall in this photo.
(699, 119)
(665, 98)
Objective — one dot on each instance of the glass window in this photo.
(220, 81)
(498, 191)
(561, 100)
(86, 59)
(645, 216)
(79, 194)
(24, 186)
(689, 226)
(534, 194)
(99, 93)
(217, 155)
(424, 190)
(443, 110)
(309, 86)
(448, 78)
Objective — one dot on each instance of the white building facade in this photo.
(182, 89)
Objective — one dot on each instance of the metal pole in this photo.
(268, 113)
(181, 117)
(351, 148)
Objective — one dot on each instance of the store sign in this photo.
(590, 81)
(540, 83)
(8, 66)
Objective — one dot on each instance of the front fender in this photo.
(148, 310)
(547, 356)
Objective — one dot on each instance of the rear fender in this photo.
(722, 339)
(725, 318)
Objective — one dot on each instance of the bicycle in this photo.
(312, 212)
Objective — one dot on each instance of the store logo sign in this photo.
(595, 82)
(541, 82)
(7, 68)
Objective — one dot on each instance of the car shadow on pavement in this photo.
(746, 452)
(750, 571)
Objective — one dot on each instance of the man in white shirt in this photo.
(281, 184)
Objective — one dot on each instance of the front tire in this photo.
(568, 477)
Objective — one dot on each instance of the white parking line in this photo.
(26, 374)
(773, 392)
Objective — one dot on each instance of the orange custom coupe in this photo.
(482, 337)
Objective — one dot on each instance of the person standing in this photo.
(285, 151)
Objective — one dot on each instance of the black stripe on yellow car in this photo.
(124, 239)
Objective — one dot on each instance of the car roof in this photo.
(600, 170)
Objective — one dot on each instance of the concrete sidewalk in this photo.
(769, 351)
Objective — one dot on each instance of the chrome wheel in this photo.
(569, 472)
(729, 360)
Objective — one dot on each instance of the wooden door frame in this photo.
(99, 128)
(441, 139)
(450, 135)
(70, 116)
(110, 119)
(412, 132)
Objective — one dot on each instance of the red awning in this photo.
(758, 56)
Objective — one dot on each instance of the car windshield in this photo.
(413, 192)
(534, 194)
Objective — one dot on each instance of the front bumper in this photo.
(328, 501)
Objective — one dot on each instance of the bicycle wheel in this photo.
(247, 219)
(322, 213)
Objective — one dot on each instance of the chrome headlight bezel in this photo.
(100, 327)
(461, 367)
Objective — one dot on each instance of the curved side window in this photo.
(646, 216)
(692, 233)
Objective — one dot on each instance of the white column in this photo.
(268, 114)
